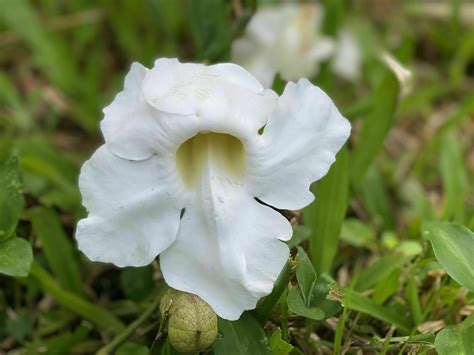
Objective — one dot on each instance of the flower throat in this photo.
(208, 150)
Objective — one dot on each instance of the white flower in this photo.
(347, 60)
(184, 138)
(283, 39)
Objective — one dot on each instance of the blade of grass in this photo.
(454, 178)
(57, 248)
(326, 214)
(357, 302)
(376, 126)
(51, 56)
(99, 316)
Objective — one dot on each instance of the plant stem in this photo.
(128, 332)
(266, 307)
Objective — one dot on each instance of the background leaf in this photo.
(242, 337)
(376, 125)
(11, 200)
(57, 247)
(16, 257)
(326, 214)
(453, 246)
(357, 302)
(209, 22)
(137, 282)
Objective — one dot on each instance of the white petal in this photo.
(129, 123)
(227, 250)
(133, 209)
(348, 59)
(297, 147)
(225, 96)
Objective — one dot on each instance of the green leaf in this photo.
(57, 248)
(297, 305)
(376, 125)
(305, 275)
(454, 178)
(137, 282)
(209, 22)
(360, 303)
(453, 246)
(378, 271)
(277, 345)
(321, 289)
(374, 195)
(326, 214)
(16, 257)
(458, 339)
(244, 336)
(20, 326)
(386, 287)
(49, 175)
(167, 349)
(130, 348)
(11, 200)
(357, 233)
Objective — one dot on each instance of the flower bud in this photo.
(192, 324)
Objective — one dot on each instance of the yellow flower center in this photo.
(223, 153)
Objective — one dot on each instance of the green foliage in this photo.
(309, 298)
(325, 217)
(137, 282)
(355, 301)
(376, 125)
(11, 200)
(458, 339)
(453, 246)
(210, 25)
(62, 62)
(243, 336)
(15, 257)
(15, 253)
(277, 345)
(57, 248)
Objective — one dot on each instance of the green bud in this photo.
(192, 324)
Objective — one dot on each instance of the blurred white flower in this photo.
(347, 61)
(184, 139)
(284, 39)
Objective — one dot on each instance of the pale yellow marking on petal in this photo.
(225, 151)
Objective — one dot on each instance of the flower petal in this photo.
(297, 147)
(129, 122)
(133, 209)
(348, 59)
(221, 94)
(227, 250)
